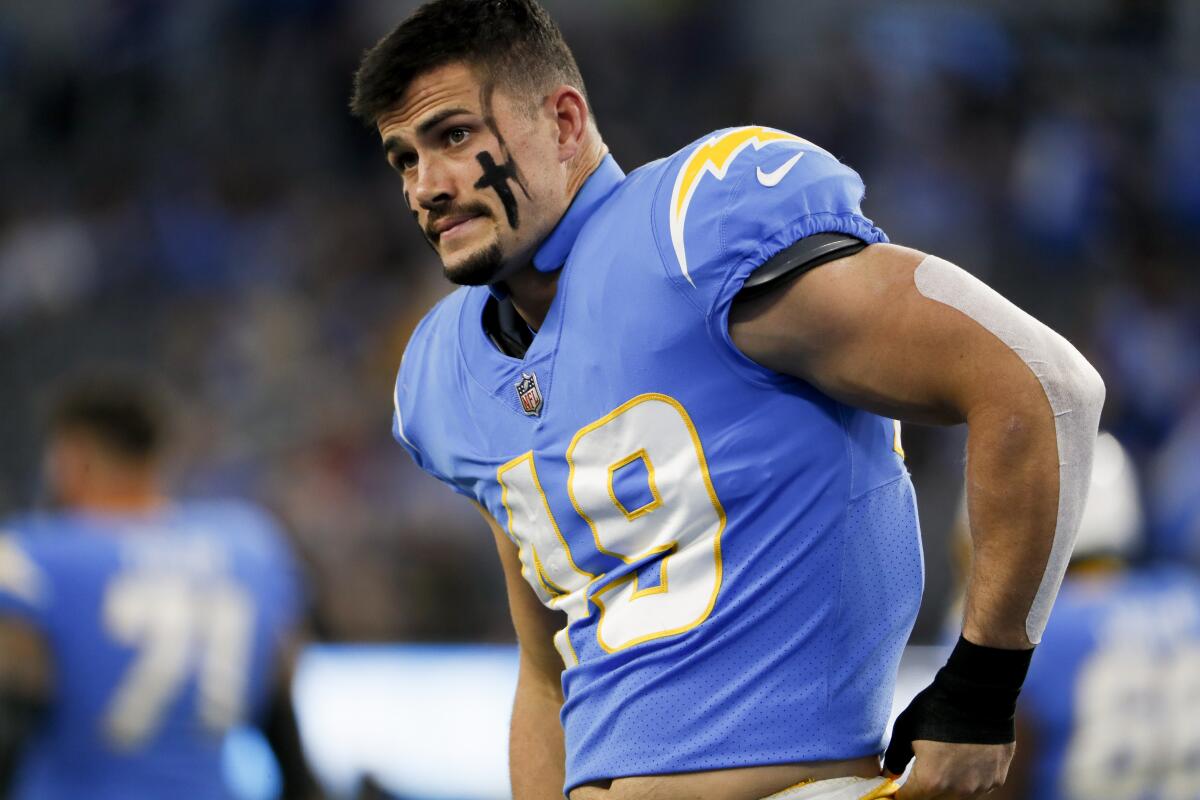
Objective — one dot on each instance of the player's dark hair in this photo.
(124, 413)
(512, 43)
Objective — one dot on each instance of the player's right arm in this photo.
(282, 731)
(536, 755)
(24, 692)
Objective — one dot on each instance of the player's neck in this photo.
(132, 496)
(584, 164)
(533, 291)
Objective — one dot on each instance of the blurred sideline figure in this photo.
(136, 631)
(1111, 705)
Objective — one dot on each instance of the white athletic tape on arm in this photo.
(1071, 384)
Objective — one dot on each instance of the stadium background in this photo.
(183, 189)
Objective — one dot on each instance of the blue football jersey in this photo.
(165, 631)
(736, 553)
(1112, 698)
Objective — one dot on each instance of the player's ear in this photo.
(571, 115)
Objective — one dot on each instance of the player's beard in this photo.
(479, 268)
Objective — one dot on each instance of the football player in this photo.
(672, 394)
(137, 630)
(1111, 703)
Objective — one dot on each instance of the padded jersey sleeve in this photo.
(24, 587)
(731, 201)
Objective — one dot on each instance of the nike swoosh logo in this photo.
(770, 179)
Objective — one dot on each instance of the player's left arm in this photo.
(914, 337)
(25, 686)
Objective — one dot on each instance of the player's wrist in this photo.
(996, 668)
(972, 700)
(982, 683)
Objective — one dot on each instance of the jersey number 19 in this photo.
(681, 521)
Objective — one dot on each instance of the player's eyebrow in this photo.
(392, 143)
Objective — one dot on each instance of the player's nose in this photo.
(435, 184)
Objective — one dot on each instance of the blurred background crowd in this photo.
(184, 189)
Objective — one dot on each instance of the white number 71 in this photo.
(180, 628)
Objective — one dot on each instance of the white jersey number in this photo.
(180, 628)
(681, 521)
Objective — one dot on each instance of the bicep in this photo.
(860, 330)
(534, 623)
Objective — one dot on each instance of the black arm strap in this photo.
(512, 336)
(799, 258)
(19, 717)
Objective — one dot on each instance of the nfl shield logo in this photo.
(530, 394)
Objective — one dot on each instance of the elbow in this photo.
(1099, 392)
(1084, 390)
(1073, 389)
(1075, 392)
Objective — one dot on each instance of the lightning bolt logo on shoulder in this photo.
(714, 157)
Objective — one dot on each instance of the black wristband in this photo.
(988, 666)
(972, 700)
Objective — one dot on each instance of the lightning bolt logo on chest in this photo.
(714, 157)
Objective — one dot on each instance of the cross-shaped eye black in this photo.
(496, 176)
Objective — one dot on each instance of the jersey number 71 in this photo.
(180, 628)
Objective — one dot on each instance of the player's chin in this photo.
(476, 268)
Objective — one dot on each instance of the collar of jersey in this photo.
(595, 190)
(554, 251)
(497, 372)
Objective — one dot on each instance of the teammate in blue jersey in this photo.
(672, 394)
(136, 631)
(1111, 703)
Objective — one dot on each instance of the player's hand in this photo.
(950, 771)
(960, 728)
